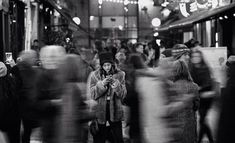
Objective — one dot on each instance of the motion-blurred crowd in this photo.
(137, 93)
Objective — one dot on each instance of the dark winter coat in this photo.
(75, 115)
(202, 77)
(26, 77)
(99, 93)
(132, 101)
(9, 103)
(49, 87)
(227, 117)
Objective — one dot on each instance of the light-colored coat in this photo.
(99, 94)
(152, 109)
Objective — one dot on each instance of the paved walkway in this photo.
(212, 120)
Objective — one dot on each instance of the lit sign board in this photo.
(187, 7)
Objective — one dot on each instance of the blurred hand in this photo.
(56, 101)
(91, 103)
(11, 62)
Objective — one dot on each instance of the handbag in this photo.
(94, 127)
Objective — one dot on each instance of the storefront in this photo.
(217, 28)
(4, 28)
(212, 28)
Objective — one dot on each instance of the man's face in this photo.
(140, 49)
(121, 57)
(36, 43)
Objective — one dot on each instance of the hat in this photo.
(106, 57)
(3, 69)
(178, 50)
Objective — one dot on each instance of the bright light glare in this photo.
(91, 18)
(156, 22)
(77, 20)
(155, 34)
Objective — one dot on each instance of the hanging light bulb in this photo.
(155, 34)
(100, 1)
(126, 2)
(77, 20)
(120, 27)
(156, 22)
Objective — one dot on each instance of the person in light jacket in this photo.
(107, 87)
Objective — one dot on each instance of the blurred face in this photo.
(121, 57)
(140, 49)
(52, 56)
(35, 43)
(122, 51)
(196, 58)
(107, 67)
(185, 57)
(50, 62)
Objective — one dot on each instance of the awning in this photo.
(188, 21)
(197, 17)
(216, 12)
(72, 24)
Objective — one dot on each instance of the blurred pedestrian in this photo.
(121, 59)
(26, 75)
(202, 76)
(181, 52)
(9, 106)
(146, 100)
(182, 115)
(227, 117)
(49, 91)
(107, 87)
(75, 114)
(132, 98)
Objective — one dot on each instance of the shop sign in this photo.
(187, 7)
(216, 58)
(4, 5)
(224, 2)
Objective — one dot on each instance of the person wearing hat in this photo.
(107, 87)
(180, 52)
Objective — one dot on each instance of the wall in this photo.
(80, 8)
(147, 11)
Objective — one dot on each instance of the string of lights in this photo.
(125, 2)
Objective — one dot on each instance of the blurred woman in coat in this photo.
(147, 103)
(75, 114)
(26, 76)
(49, 91)
(180, 109)
(202, 76)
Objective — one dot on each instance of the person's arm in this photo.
(119, 86)
(97, 88)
